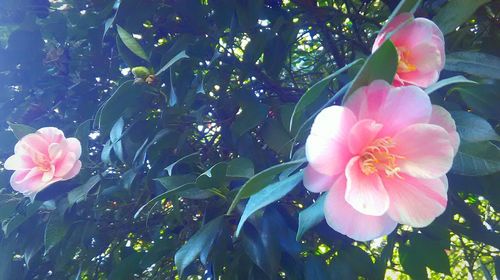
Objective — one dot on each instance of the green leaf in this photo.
(55, 231)
(261, 180)
(128, 96)
(80, 193)
(187, 158)
(115, 136)
(404, 6)
(267, 196)
(476, 159)
(252, 114)
(482, 99)
(82, 134)
(8, 140)
(315, 269)
(126, 267)
(21, 130)
(173, 182)
(455, 13)
(447, 82)
(381, 65)
(172, 61)
(240, 168)
(276, 137)
(313, 93)
(205, 237)
(474, 63)
(131, 43)
(311, 216)
(423, 252)
(473, 128)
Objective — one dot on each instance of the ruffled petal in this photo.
(74, 146)
(317, 182)
(365, 193)
(425, 149)
(394, 108)
(416, 202)
(65, 165)
(362, 134)
(325, 155)
(443, 118)
(342, 217)
(74, 171)
(18, 162)
(51, 134)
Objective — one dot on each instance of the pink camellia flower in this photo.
(382, 158)
(420, 46)
(43, 158)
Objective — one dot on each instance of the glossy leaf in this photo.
(55, 231)
(446, 82)
(477, 159)
(473, 128)
(261, 180)
(455, 13)
(267, 196)
(200, 240)
(381, 65)
(311, 216)
(21, 130)
(131, 43)
(474, 63)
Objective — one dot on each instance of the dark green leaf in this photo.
(131, 43)
(473, 128)
(171, 62)
(80, 193)
(21, 130)
(474, 63)
(447, 82)
(381, 65)
(477, 159)
(312, 94)
(261, 180)
(455, 13)
(311, 216)
(55, 231)
(199, 241)
(240, 168)
(267, 196)
(482, 99)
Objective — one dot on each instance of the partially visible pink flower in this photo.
(420, 46)
(43, 158)
(382, 158)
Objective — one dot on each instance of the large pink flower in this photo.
(382, 158)
(43, 158)
(420, 46)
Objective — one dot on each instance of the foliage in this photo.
(187, 108)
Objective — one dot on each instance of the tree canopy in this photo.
(193, 115)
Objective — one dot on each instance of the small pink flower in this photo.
(43, 158)
(382, 158)
(420, 46)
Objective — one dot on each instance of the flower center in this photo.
(378, 156)
(41, 161)
(403, 58)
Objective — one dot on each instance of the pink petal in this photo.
(18, 162)
(74, 146)
(334, 123)
(56, 151)
(65, 165)
(416, 202)
(362, 134)
(51, 134)
(365, 193)
(26, 181)
(326, 146)
(443, 118)
(48, 175)
(426, 57)
(420, 30)
(326, 156)
(317, 182)
(391, 26)
(394, 108)
(421, 79)
(32, 143)
(74, 171)
(426, 151)
(342, 217)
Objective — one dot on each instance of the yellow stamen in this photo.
(378, 156)
(403, 57)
